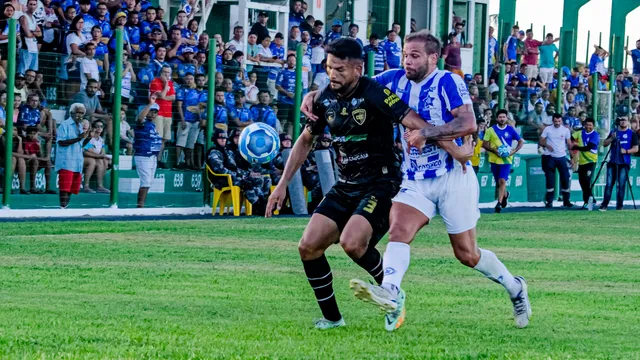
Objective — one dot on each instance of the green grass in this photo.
(235, 289)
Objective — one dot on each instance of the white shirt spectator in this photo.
(317, 55)
(557, 139)
(95, 145)
(88, 66)
(306, 69)
(252, 93)
(322, 80)
(235, 45)
(73, 38)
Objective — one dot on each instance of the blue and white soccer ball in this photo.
(504, 151)
(259, 143)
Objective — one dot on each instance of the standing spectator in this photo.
(556, 140)
(396, 28)
(252, 51)
(511, 45)
(89, 21)
(188, 105)
(460, 35)
(596, 63)
(102, 20)
(493, 51)
(37, 159)
(496, 136)
(308, 24)
(132, 28)
(296, 16)
(635, 57)
(150, 23)
(587, 141)
(530, 56)
(548, 54)
(393, 52)
(160, 15)
(277, 48)
(50, 26)
(162, 88)
(321, 80)
(95, 159)
(29, 32)
(286, 84)
(260, 28)
(452, 57)
(335, 33)
(294, 35)
(119, 23)
(153, 41)
(239, 114)
(88, 65)
(379, 54)
(237, 42)
(317, 49)
(188, 65)
(176, 46)
(126, 134)
(252, 90)
(72, 137)
(353, 33)
(147, 145)
(7, 13)
(623, 142)
(128, 77)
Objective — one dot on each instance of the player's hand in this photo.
(465, 152)
(415, 139)
(550, 148)
(307, 105)
(276, 199)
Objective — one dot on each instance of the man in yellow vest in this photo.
(587, 141)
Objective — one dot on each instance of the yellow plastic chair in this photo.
(306, 198)
(227, 196)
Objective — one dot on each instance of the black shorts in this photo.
(371, 200)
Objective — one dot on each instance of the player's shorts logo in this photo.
(359, 115)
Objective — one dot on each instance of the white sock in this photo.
(395, 263)
(494, 269)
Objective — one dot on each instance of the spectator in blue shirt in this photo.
(29, 114)
(227, 87)
(286, 87)
(103, 20)
(147, 144)
(133, 31)
(392, 50)
(380, 55)
(150, 23)
(596, 63)
(262, 112)
(154, 39)
(335, 33)
(119, 22)
(89, 21)
(511, 45)
(240, 115)
(353, 33)
(277, 47)
(102, 51)
(296, 16)
(635, 57)
(188, 65)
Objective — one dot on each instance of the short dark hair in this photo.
(395, 23)
(590, 119)
(345, 48)
(391, 31)
(354, 26)
(431, 43)
(290, 55)
(181, 11)
(557, 116)
(32, 129)
(317, 23)
(373, 37)
(92, 81)
(502, 111)
(219, 89)
(237, 27)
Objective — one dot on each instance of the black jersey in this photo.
(362, 128)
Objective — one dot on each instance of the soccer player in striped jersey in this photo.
(501, 134)
(433, 182)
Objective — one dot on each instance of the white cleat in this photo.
(521, 305)
(373, 294)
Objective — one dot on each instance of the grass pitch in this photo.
(236, 289)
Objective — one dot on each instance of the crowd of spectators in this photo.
(254, 82)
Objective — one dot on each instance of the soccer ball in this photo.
(259, 143)
(504, 151)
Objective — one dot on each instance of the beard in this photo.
(417, 74)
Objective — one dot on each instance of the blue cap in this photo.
(468, 77)
(337, 22)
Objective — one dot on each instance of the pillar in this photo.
(619, 11)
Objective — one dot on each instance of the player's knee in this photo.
(502, 182)
(400, 233)
(353, 246)
(467, 257)
(307, 249)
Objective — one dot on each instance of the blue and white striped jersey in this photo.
(433, 99)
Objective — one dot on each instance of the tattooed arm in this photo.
(464, 123)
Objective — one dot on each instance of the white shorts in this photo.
(146, 168)
(453, 195)
(187, 137)
(546, 75)
(532, 72)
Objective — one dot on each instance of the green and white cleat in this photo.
(394, 319)
(373, 294)
(324, 324)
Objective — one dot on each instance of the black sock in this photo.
(320, 278)
(372, 263)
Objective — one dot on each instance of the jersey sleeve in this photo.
(545, 133)
(454, 91)
(488, 135)
(386, 102)
(514, 133)
(386, 78)
(316, 127)
(280, 78)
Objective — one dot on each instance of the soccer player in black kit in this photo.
(361, 115)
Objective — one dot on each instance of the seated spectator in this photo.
(160, 16)
(20, 86)
(37, 159)
(191, 33)
(239, 114)
(147, 145)
(72, 137)
(30, 115)
(252, 90)
(227, 86)
(321, 80)
(101, 52)
(89, 21)
(227, 59)
(176, 46)
(188, 65)
(103, 21)
(150, 24)
(118, 23)
(392, 50)
(95, 159)
(571, 120)
(201, 63)
(203, 43)
(266, 55)
(18, 160)
(91, 103)
(126, 134)
(262, 112)
(132, 28)
(181, 20)
(160, 61)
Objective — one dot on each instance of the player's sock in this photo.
(494, 269)
(320, 278)
(395, 263)
(372, 263)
